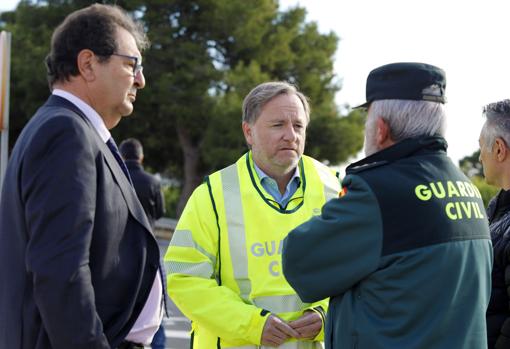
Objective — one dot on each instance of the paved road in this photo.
(177, 329)
(177, 326)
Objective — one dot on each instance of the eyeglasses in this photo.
(137, 68)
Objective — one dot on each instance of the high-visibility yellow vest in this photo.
(224, 260)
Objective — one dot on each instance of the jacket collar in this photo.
(499, 205)
(57, 101)
(403, 149)
(92, 115)
(133, 165)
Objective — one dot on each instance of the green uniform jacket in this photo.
(404, 254)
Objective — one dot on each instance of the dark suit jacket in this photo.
(77, 255)
(148, 190)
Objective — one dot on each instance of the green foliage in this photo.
(487, 191)
(171, 195)
(205, 57)
(31, 27)
(471, 166)
(330, 139)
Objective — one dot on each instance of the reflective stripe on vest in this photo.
(280, 304)
(329, 188)
(235, 228)
(184, 238)
(203, 270)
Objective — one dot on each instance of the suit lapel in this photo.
(128, 192)
(127, 189)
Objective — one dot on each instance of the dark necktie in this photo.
(115, 151)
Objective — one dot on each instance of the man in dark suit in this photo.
(148, 190)
(147, 186)
(78, 260)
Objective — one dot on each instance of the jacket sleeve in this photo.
(330, 253)
(503, 340)
(191, 264)
(58, 184)
(321, 308)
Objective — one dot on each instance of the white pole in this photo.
(5, 76)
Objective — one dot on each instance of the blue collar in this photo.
(270, 185)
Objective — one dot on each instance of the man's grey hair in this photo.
(263, 93)
(409, 118)
(497, 124)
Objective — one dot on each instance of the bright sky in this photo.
(468, 39)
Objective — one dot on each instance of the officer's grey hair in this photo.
(408, 118)
(497, 124)
(263, 93)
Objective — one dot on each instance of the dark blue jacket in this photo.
(498, 313)
(77, 255)
(405, 254)
(148, 190)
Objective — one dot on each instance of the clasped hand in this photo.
(276, 331)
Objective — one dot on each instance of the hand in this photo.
(308, 325)
(276, 332)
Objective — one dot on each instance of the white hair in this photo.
(405, 118)
(409, 118)
(497, 124)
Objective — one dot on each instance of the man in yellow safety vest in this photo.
(224, 260)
